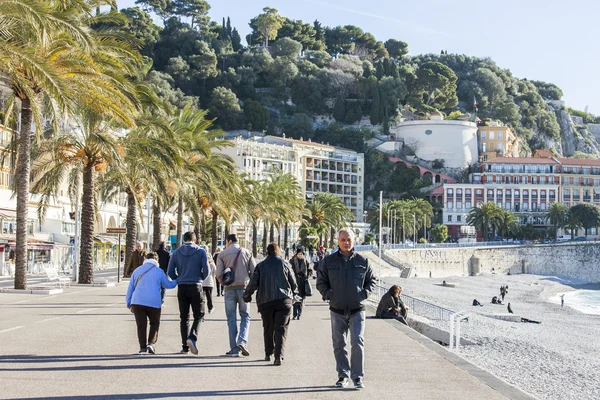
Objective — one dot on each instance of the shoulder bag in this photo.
(229, 273)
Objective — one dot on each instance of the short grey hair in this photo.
(138, 243)
(349, 231)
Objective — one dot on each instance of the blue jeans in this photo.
(233, 300)
(353, 366)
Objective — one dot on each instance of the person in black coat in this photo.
(302, 271)
(163, 263)
(391, 305)
(217, 283)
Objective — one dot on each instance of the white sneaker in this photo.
(143, 352)
(192, 345)
(211, 310)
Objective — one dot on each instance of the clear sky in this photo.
(548, 40)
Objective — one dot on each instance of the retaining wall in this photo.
(581, 261)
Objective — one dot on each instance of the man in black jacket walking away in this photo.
(163, 262)
(346, 280)
(275, 284)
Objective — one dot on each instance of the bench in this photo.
(53, 276)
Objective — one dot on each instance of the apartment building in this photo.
(497, 140)
(329, 169)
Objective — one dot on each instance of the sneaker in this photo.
(192, 345)
(211, 310)
(150, 349)
(358, 383)
(143, 352)
(232, 353)
(243, 349)
(277, 361)
(184, 351)
(268, 358)
(342, 382)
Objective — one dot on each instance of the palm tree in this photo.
(508, 223)
(485, 218)
(556, 215)
(50, 62)
(572, 222)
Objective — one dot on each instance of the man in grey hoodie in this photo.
(189, 265)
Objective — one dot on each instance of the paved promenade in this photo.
(82, 345)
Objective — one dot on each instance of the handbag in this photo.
(307, 288)
(229, 273)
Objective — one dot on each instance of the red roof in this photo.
(543, 154)
(521, 160)
(576, 161)
(422, 170)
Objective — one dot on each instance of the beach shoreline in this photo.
(557, 359)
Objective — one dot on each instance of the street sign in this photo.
(116, 230)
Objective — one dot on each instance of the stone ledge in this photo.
(96, 284)
(41, 290)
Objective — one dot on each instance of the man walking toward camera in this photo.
(189, 265)
(242, 265)
(346, 280)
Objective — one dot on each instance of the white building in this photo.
(453, 141)
(329, 169)
(317, 167)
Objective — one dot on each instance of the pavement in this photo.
(82, 345)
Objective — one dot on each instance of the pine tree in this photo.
(236, 40)
(379, 71)
(339, 110)
(228, 26)
(375, 116)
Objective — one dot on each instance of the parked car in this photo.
(580, 239)
(563, 237)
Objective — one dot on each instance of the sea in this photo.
(585, 301)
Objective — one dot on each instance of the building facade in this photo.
(527, 186)
(496, 140)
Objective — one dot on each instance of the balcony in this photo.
(588, 198)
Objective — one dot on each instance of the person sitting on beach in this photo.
(477, 303)
(391, 305)
(444, 283)
(509, 309)
(530, 321)
(495, 300)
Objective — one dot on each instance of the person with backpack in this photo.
(189, 265)
(143, 299)
(302, 272)
(235, 266)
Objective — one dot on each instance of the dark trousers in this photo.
(219, 287)
(394, 315)
(142, 315)
(190, 295)
(276, 320)
(208, 296)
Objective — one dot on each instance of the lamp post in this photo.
(380, 235)
(403, 233)
(415, 229)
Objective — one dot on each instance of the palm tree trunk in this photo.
(179, 231)
(156, 225)
(202, 227)
(227, 228)
(197, 226)
(331, 237)
(279, 236)
(22, 175)
(272, 233)
(254, 239)
(131, 225)
(285, 236)
(215, 217)
(264, 240)
(88, 218)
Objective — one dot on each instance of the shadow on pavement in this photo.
(208, 393)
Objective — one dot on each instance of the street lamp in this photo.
(403, 233)
(415, 229)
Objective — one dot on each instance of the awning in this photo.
(8, 213)
(32, 243)
(106, 239)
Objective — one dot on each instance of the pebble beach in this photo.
(557, 359)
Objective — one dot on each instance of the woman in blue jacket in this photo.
(143, 299)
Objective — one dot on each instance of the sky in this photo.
(547, 40)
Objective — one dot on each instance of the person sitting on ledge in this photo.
(391, 305)
(477, 303)
(509, 309)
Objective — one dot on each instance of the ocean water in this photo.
(585, 301)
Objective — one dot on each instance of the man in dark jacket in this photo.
(137, 258)
(302, 272)
(189, 265)
(346, 280)
(163, 262)
(274, 282)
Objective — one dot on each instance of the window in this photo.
(468, 192)
(516, 193)
(483, 136)
(459, 205)
(491, 135)
(467, 206)
(483, 147)
(459, 192)
(490, 193)
(542, 179)
(449, 192)
(449, 218)
(478, 192)
(450, 205)
(525, 193)
(458, 218)
(499, 135)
